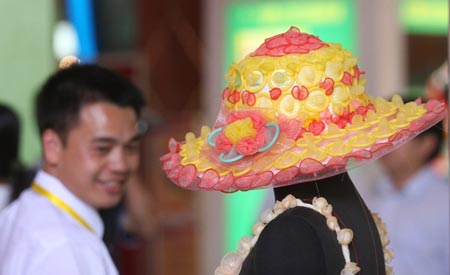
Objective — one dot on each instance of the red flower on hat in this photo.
(247, 146)
(244, 132)
(223, 144)
(258, 119)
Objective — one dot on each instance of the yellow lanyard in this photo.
(60, 204)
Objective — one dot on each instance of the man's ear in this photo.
(52, 147)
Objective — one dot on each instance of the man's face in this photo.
(100, 154)
(406, 159)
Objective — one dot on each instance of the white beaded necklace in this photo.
(232, 262)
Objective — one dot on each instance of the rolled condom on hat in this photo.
(295, 110)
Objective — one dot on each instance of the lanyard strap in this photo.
(60, 204)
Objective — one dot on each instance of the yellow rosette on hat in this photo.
(295, 110)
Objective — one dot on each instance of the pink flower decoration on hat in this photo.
(247, 146)
(244, 132)
(223, 144)
(243, 135)
(256, 117)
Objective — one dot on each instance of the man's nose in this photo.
(119, 161)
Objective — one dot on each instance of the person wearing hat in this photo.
(295, 117)
(87, 117)
(436, 87)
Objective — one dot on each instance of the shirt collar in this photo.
(56, 187)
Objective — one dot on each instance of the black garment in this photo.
(299, 241)
(22, 178)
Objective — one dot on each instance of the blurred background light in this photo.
(424, 16)
(65, 40)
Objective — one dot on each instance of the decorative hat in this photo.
(295, 110)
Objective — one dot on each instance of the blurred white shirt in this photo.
(36, 237)
(5, 194)
(417, 220)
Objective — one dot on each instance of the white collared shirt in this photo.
(37, 237)
(417, 220)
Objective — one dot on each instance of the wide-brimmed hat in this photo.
(295, 110)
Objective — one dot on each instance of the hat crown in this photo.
(295, 75)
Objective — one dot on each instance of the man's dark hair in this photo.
(60, 99)
(438, 132)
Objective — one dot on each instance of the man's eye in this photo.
(132, 148)
(102, 149)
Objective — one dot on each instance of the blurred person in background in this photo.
(437, 88)
(87, 118)
(413, 200)
(13, 176)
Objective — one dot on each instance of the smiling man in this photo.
(87, 118)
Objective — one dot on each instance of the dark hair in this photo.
(62, 96)
(9, 141)
(438, 132)
(11, 169)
